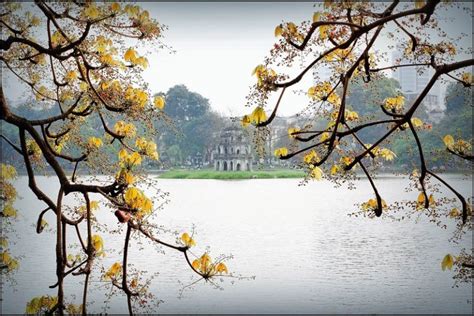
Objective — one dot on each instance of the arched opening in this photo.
(231, 166)
(218, 166)
(238, 167)
(248, 166)
(238, 151)
(225, 165)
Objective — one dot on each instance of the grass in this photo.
(231, 175)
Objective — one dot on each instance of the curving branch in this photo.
(399, 120)
(15, 147)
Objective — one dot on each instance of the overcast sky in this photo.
(219, 44)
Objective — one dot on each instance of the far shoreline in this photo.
(231, 175)
(277, 173)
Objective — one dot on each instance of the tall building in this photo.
(413, 81)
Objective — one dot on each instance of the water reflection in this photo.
(308, 256)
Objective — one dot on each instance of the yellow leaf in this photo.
(125, 177)
(9, 211)
(258, 115)
(292, 131)
(454, 213)
(131, 194)
(95, 142)
(387, 154)
(447, 262)
(94, 205)
(135, 159)
(71, 76)
(395, 103)
(107, 59)
(33, 306)
(196, 264)
(351, 115)
(421, 198)
(187, 240)
(130, 55)
(311, 157)
(257, 70)
(316, 173)
(5, 257)
(292, 28)
(115, 7)
(97, 243)
(205, 263)
(347, 160)
(372, 203)
(132, 10)
(221, 268)
(316, 16)
(125, 129)
(122, 154)
(8, 172)
(334, 169)
(419, 3)
(420, 201)
(448, 140)
(467, 77)
(57, 38)
(91, 11)
(278, 31)
(323, 32)
(136, 199)
(324, 91)
(83, 86)
(416, 122)
(35, 21)
(245, 121)
(324, 136)
(281, 152)
(159, 102)
(142, 61)
(43, 223)
(113, 271)
(432, 201)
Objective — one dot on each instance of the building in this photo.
(233, 151)
(412, 82)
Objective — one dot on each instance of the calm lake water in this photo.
(306, 254)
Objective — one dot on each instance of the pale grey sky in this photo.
(218, 44)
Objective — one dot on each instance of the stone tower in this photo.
(233, 151)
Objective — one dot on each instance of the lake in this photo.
(306, 253)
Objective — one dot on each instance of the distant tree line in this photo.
(195, 126)
(364, 101)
